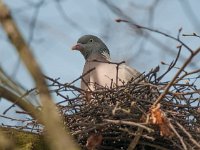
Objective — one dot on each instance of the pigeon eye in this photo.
(91, 40)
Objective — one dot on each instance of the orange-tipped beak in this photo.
(78, 46)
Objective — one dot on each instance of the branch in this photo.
(180, 138)
(193, 53)
(157, 31)
(189, 135)
(130, 123)
(136, 139)
(10, 96)
(57, 136)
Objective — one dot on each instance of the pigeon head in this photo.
(90, 45)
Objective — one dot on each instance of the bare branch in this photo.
(57, 135)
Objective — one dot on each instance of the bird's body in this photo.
(98, 70)
(105, 74)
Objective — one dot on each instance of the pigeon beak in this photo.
(78, 47)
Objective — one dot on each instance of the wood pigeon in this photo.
(99, 71)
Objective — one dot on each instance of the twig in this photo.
(136, 139)
(20, 102)
(193, 34)
(54, 125)
(172, 64)
(81, 77)
(13, 105)
(189, 135)
(175, 77)
(130, 123)
(180, 138)
(156, 31)
(154, 146)
(186, 74)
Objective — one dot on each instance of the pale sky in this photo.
(55, 32)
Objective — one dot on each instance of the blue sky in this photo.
(55, 32)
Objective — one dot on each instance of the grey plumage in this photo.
(97, 56)
(92, 45)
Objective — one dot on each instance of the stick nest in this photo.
(126, 117)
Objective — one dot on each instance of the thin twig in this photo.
(136, 139)
(189, 135)
(179, 137)
(175, 77)
(131, 123)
